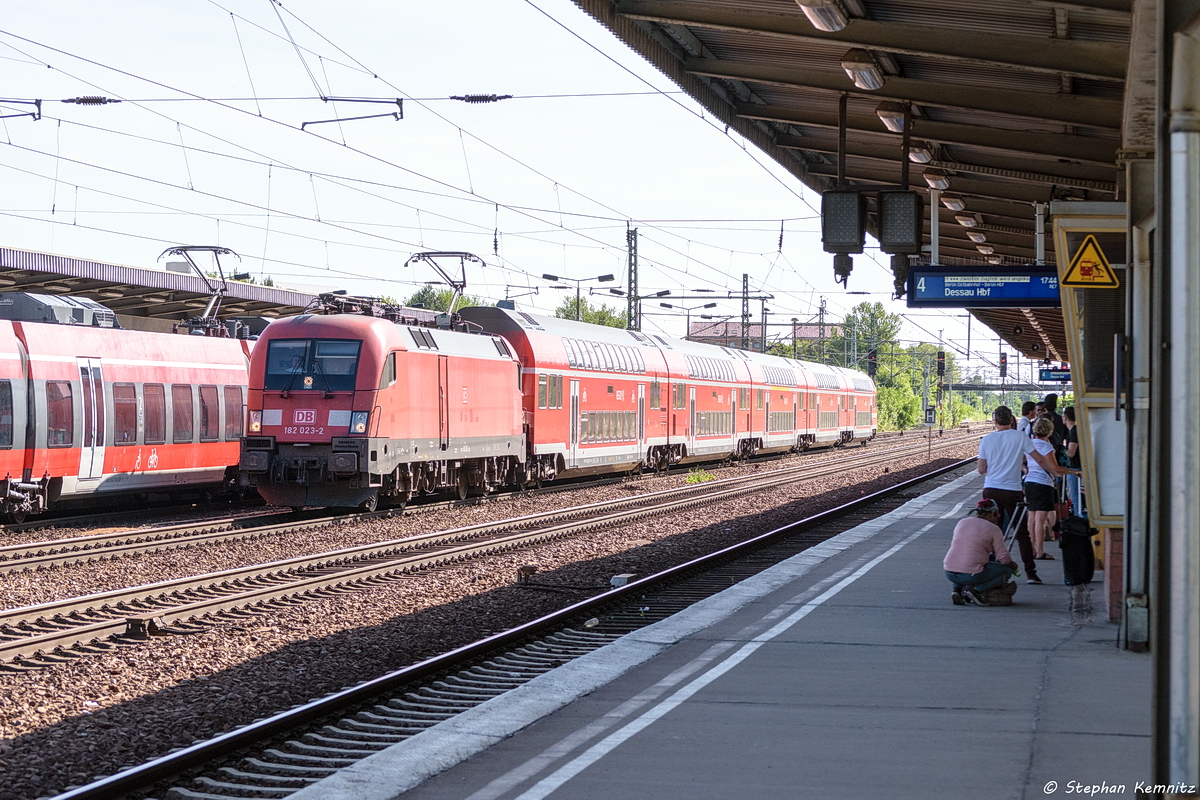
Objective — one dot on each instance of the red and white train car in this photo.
(89, 411)
(347, 410)
(603, 400)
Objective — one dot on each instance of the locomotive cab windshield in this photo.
(329, 365)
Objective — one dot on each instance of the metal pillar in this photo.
(745, 311)
(1177, 721)
(633, 320)
(1039, 232)
(935, 255)
(1140, 203)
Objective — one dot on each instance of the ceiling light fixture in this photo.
(892, 116)
(994, 259)
(953, 202)
(825, 15)
(978, 237)
(937, 179)
(862, 69)
(920, 153)
(986, 249)
(966, 220)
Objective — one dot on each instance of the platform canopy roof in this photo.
(1013, 103)
(140, 292)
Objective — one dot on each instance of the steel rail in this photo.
(147, 607)
(197, 755)
(87, 549)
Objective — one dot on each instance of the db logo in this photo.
(305, 416)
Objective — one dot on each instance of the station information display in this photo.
(1046, 375)
(1027, 286)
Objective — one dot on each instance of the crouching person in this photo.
(969, 563)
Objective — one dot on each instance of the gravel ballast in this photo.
(69, 723)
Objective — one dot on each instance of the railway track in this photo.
(92, 547)
(56, 631)
(276, 756)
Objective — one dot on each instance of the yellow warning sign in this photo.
(1089, 268)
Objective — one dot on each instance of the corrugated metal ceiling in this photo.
(1039, 118)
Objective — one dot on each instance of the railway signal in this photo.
(872, 362)
(1004, 365)
(941, 363)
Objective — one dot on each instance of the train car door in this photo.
(91, 459)
(444, 401)
(641, 414)
(691, 434)
(574, 454)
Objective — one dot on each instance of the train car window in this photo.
(388, 376)
(124, 414)
(542, 381)
(556, 391)
(155, 431)
(210, 420)
(181, 413)
(6, 414)
(654, 394)
(235, 413)
(60, 414)
(758, 399)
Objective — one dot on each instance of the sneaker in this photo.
(976, 597)
(956, 597)
(1034, 579)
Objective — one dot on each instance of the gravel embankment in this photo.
(69, 723)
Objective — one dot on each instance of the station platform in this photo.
(845, 671)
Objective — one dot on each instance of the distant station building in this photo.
(729, 333)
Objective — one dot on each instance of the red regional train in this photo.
(352, 410)
(89, 411)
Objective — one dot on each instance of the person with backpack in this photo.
(978, 563)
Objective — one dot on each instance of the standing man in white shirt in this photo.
(1001, 456)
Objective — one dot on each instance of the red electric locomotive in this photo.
(350, 410)
(88, 410)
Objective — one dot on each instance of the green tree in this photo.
(866, 326)
(436, 299)
(598, 314)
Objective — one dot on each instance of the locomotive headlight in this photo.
(255, 421)
(358, 421)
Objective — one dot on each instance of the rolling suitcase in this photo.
(1078, 559)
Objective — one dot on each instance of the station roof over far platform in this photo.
(1013, 102)
(139, 292)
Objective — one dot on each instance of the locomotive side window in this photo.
(156, 413)
(210, 420)
(60, 414)
(181, 416)
(6, 414)
(124, 414)
(389, 372)
(234, 413)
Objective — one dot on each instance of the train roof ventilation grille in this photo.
(863, 384)
(533, 323)
(55, 309)
(664, 342)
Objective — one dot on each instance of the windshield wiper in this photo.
(321, 371)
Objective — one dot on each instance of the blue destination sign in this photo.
(1051, 375)
(1028, 286)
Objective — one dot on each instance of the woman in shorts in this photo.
(1040, 493)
